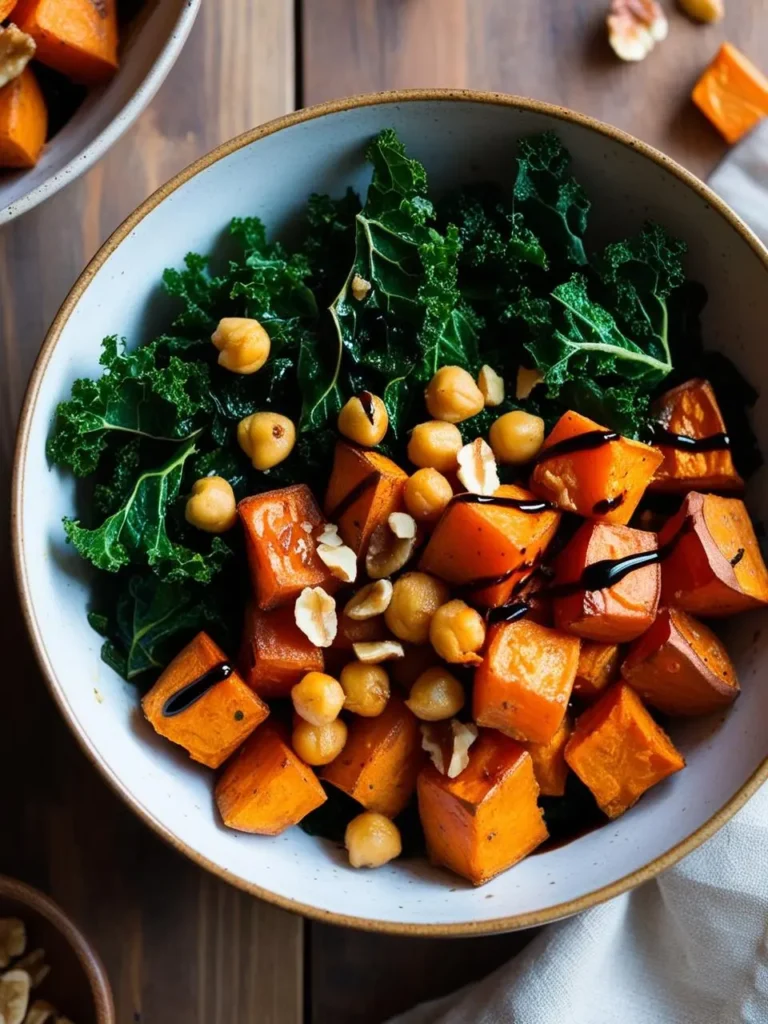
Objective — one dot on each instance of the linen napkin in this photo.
(690, 947)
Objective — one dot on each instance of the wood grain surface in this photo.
(180, 946)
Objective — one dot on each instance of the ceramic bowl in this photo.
(460, 137)
(77, 984)
(148, 53)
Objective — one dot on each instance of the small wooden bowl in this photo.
(77, 985)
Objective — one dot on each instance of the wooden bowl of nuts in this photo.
(49, 974)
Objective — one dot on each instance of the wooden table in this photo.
(180, 945)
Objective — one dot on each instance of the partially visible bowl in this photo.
(77, 984)
(460, 137)
(149, 51)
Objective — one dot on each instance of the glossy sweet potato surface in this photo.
(598, 668)
(23, 121)
(76, 37)
(274, 653)
(549, 764)
(217, 723)
(378, 484)
(487, 818)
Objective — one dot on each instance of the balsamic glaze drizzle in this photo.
(192, 692)
(685, 443)
(585, 442)
(606, 505)
(354, 495)
(531, 506)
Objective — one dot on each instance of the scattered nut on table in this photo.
(635, 27)
(707, 11)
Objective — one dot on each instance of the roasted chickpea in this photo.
(457, 632)
(364, 419)
(318, 698)
(435, 445)
(243, 344)
(426, 495)
(211, 505)
(453, 396)
(266, 438)
(319, 744)
(415, 599)
(436, 695)
(516, 437)
(366, 688)
(372, 840)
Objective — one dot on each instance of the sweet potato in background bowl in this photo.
(460, 137)
(149, 47)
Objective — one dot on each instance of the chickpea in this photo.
(435, 445)
(364, 419)
(457, 632)
(318, 698)
(372, 840)
(319, 744)
(366, 688)
(243, 344)
(453, 396)
(415, 599)
(516, 437)
(436, 695)
(426, 495)
(211, 506)
(266, 438)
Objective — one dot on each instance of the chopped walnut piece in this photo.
(386, 552)
(373, 652)
(447, 744)
(16, 51)
(402, 525)
(491, 385)
(42, 1013)
(315, 615)
(341, 560)
(477, 468)
(330, 535)
(360, 287)
(372, 600)
(13, 939)
(14, 996)
(634, 28)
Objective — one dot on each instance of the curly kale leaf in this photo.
(137, 532)
(143, 393)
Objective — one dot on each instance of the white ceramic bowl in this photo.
(460, 137)
(148, 54)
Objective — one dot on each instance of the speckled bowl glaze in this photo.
(460, 137)
(148, 54)
(77, 985)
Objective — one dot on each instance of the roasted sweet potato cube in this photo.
(274, 653)
(712, 564)
(266, 787)
(616, 613)
(732, 93)
(6, 6)
(202, 704)
(680, 666)
(364, 489)
(280, 530)
(76, 37)
(23, 121)
(549, 765)
(380, 762)
(487, 818)
(691, 411)
(523, 686)
(598, 668)
(604, 480)
(489, 549)
(618, 751)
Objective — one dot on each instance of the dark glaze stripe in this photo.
(602, 508)
(686, 443)
(354, 495)
(585, 442)
(192, 692)
(366, 400)
(508, 613)
(531, 506)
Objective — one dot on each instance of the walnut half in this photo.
(447, 744)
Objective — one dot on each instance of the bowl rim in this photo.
(120, 123)
(95, 972)
(501, 924)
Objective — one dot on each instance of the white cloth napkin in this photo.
(690, 947)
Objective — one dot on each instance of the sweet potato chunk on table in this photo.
(487, 818)
(549, 765)
(523, 686)
(488, 548)
(712, 564)
(210, 722)
(274, 653)
(266, 787)
(618, 751)
(680, 666)
(616, 613)
(280, 530)
(381, 759)
(732, 93)
(76, 37)
(605, 480)
(364, 489)
(598, 668)
(691, 411)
